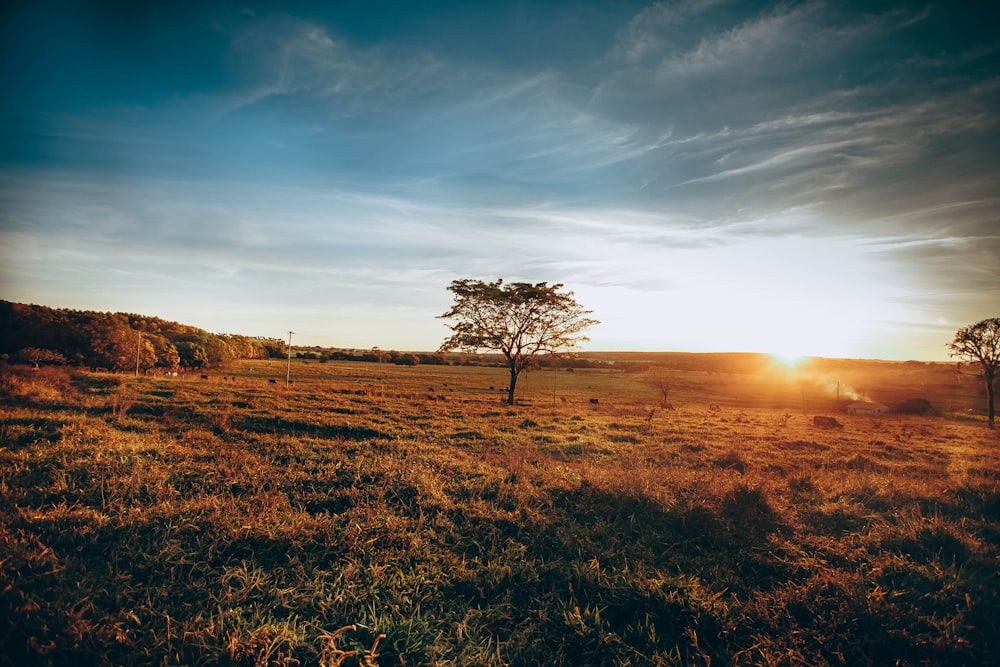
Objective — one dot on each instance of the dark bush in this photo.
(914, 406)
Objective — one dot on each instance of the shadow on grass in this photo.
(279, 425)
(91, 383)
(600, 572)
(180, 417)
(21, 432)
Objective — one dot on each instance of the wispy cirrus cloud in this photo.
(287, 57)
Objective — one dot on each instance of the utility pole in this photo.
(555, 374)
(138, 348)
(288, 370)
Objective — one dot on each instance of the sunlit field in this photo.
(368, 514)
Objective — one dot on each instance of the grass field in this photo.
(379, 515)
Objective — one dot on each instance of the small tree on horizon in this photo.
(519, 320)
(980, 343)
(659, 381)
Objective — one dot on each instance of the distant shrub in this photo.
(407, 360)
(41, 357)
(914, 406)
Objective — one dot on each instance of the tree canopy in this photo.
(117, 341)
(980, 343)
(519, 320)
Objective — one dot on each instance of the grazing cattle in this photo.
(204, 377)
(714, 407)
(594, 401)
(272, 381)
(826, 422)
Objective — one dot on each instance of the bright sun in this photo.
(790, 362)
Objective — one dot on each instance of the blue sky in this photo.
(800, 178)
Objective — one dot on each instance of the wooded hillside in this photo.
(119, 341)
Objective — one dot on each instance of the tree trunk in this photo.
(510, 387)
(989, 397)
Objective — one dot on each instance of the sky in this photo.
(801, 178)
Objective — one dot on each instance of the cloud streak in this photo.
(286, 57)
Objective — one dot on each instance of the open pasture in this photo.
(375, 514)
(733, 380)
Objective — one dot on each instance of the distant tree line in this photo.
(118, 341)
(324, 354)
(374, 356)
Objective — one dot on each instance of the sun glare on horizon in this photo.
(791, 298)
(785, 361)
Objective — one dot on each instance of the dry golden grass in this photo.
(357, 517)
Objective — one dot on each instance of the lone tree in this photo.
(980, 343)
(520, 320)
